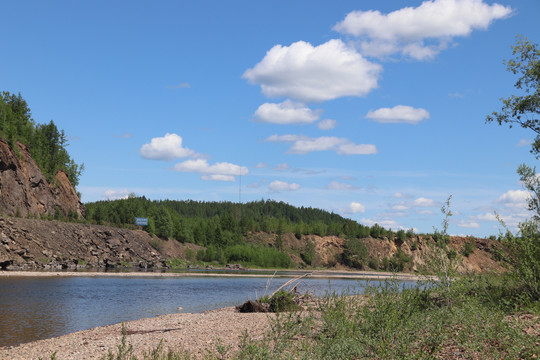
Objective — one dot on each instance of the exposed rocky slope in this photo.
(329, 248)
(27, 244)
(24, 190)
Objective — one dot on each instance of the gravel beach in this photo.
(196, 333)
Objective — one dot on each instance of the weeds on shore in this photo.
(389, 322)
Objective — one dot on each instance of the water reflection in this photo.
(38, 308)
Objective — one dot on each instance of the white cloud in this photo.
(327, 124)
(524, 142)
(287, 112)
(219, 177)
(356, 207)
(486, 217)
(423, 202)
(398, 114)
(407, 30)
(261, 165)
(400, 207)
(111, 194)
(304, 145)
(335, 185)
(168, 147)
(469, 224)
(221, 171)
(456, 95)
(400, 195)
(277, 185)
(183, 85)
(282, 167)
(305, 72)
(514, 198)
(385, 223)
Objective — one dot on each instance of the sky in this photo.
(374, 110)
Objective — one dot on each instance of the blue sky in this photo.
(369, 109)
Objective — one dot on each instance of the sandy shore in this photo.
(196, 333)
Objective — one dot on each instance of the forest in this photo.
(47, 144)
(225, 223)
(222, 227)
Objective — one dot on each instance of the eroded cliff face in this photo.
(24, 190)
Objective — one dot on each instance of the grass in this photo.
(395, 324)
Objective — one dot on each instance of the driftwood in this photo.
(256, 306)
(289, 282)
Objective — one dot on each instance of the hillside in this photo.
(30, 244)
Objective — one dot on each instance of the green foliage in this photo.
(397, 262)
(377, 231)
(280, 302)
(390, 322)
(47, 144)
(308, 255)
(468, 248)
(190, 255)
(523, 110)
(355, 253)
(258, 256)
(524, 253)
(400, 238)
(443, 261)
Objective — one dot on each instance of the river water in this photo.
(33, 308)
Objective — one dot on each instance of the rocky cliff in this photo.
(31, 244)
(24, 190)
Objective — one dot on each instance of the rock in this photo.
(25, 190)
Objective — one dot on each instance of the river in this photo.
(33, 308)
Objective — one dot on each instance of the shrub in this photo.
(308, 255)
(355, 253)
(468, 248)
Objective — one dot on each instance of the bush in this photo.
(308, 255)
(355, 253)
(281, 301)
(524, 251)
(468, 248)
(258, 256)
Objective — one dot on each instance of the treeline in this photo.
(47, 144)
(222, 227)
(225, 223)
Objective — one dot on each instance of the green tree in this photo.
(523, 110)
(355, 253)
(163, 222)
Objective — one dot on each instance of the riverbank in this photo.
(365, 275)
(195, 333)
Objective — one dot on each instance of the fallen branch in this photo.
(289, 282)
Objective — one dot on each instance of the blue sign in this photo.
(141, 221)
